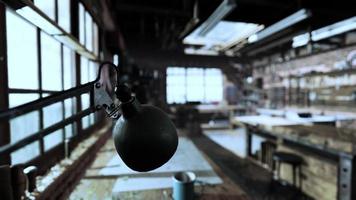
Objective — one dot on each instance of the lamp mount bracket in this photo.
(103, 100)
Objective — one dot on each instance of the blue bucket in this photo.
(183, 186)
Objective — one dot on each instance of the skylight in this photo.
(224, 34)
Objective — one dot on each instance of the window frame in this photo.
(5, 91)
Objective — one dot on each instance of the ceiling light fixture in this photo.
(282, 24)
(325, 32)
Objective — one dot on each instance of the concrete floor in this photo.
(233, 140)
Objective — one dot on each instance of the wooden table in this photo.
(328, 142)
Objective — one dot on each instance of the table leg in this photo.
(248, 142)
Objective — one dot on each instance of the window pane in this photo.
(52, 114)
(92, 118)
(51, 63)
(69, 107)
(195, 84)
(21, 52)
(176, 80)
(93, 70)
(19, 99)
(68, 68)
(96, 39)
(46, 6)
(64, 14)
(25, 153)
(88, 31)
(85, 98)
(213, 85)
(24, 125)
(53, 139)
(69, 129)
(85, 122)
(81, 23)
(84, 72)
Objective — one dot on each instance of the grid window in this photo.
(194, 84)
(27, 57)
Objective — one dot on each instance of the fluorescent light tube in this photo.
(334, 29)
(325, 32)
(284, 23)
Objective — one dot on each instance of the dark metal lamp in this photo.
(144, 136)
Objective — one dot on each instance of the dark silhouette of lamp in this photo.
(144, 136)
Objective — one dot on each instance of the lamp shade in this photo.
(144, 136)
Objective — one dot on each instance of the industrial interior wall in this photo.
(324, 80)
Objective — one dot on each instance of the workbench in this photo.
(309, 137)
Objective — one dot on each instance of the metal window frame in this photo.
(6, 113)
